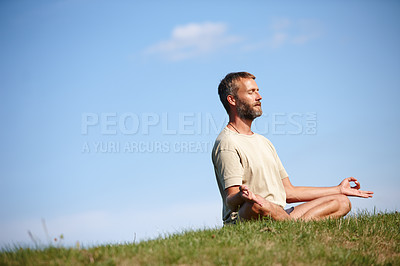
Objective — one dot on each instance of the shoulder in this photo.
(262, 138)
(226, 143)
(226, 140)
(266, 141)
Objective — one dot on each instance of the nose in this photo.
(258, 98)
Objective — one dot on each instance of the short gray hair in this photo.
(229, 86)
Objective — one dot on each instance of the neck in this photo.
(241, 125)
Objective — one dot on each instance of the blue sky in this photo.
(139, 82)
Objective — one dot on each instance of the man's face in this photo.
(248, 99)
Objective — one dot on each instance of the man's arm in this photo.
(299, 194)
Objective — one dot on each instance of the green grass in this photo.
(363, 239)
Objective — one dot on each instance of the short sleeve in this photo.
(282, 172)
(228, 168)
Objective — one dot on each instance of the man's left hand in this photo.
(355, 191)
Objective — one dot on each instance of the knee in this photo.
(253, 210)
(256, 210)
(344, 203)
(264, 210)
(249, 211)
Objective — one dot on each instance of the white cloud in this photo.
(288, 32)
(192, 40)
(295, 32)
(281, 24)
(278, 39)
(307, 30)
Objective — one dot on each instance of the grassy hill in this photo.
(363, 239)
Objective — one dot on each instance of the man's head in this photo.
(239, 91)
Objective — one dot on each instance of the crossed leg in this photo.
(334, 206)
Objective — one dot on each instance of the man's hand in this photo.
(247, 195)
(355, 191)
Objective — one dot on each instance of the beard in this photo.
(247, 111)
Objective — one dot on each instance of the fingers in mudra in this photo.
(357, 186)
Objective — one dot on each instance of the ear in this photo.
(231, 100)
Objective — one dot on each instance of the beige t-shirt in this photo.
(251, 160)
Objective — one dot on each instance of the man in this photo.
(251, 178)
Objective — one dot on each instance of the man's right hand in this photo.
(249, 196)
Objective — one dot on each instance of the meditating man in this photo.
(251, 178)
